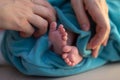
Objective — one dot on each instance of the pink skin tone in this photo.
(60, 44)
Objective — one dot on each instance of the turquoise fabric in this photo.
(32, 56)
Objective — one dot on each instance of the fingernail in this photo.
(85, 27)
(95, 56)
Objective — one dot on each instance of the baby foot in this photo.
(71, 55)
(57, 37)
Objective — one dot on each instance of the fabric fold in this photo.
(33, 56)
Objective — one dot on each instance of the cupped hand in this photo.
(20, 15)
(98, 10)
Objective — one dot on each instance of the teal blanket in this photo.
(32, 56)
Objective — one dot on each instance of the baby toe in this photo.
(65, 38)
(64, 55)
(53, 26)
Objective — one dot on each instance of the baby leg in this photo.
(71, 55)
(62, 44)
(57, 37)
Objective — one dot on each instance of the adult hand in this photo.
(98, 10)
(20, 15)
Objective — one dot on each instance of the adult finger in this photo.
(106, 40)
(49, 8)
(95, 52)
(43, 3)
(101, 37)
(40, 24)
(27, 30)
(107, 35)
(45, 13)
(80, 12)
(98, 38)
(97, 13)
(101, 20)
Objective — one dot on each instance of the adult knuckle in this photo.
(45, 24)
(50, 14)
(43, 29)
(26, 2)
(21, 25)
(29, 16)
(107, 27)
(30, 5)
(46, 3)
